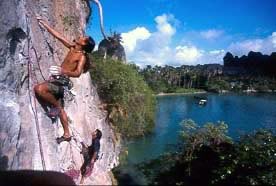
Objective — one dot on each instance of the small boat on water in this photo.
(202, 102)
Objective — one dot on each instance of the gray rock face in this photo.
(26, 53)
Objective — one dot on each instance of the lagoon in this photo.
(243, 113)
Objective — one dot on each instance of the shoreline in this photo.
(206, 92)
(184, 93)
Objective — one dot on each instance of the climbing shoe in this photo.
(62, 138)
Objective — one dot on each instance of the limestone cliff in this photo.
(26, 53)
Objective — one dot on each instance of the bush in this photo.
(209, 157)
(187, 90)
(218, 85)
(256, 159)
(158, 86)
(129, 101)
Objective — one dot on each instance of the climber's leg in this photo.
(64, 122)
(83, 170)
(42, 91)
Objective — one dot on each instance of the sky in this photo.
(188, 32)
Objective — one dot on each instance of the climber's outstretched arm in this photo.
(56, 34)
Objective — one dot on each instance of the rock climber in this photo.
(90, 155)
(75, 63)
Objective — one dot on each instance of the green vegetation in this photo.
(210, 77)
(187, 90)
(218, 85)
(207, 156)
(184, 79)
(128, 99)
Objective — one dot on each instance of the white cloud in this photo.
(211, 34)
(186, 54)
(273, 39)
(244, 47)
(154, 48)
(214, 52)
(144, 47)
(193, 56)
(130, 39)
(265, 45)
(213, 56)
(163, 24)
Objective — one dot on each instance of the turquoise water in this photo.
(242, 113)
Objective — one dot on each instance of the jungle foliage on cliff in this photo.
(252, 72)
(129, 101)
(207, 156)
(170, 79)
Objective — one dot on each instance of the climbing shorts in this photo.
(57, 84)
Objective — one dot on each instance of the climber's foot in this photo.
(63, 138)
(53, 112)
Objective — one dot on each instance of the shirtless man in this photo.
(75, 63)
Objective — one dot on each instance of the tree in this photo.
(127, 98)
(209, 157)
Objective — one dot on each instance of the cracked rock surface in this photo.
(26, 53)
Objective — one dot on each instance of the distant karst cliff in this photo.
(255, 63)
(26, 53)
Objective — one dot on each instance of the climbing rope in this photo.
(31, 13)
(30, 81)
(34, 109)
(63, 157)
(38, 63)
(74, 131)
(71, 170)
(75, 134)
